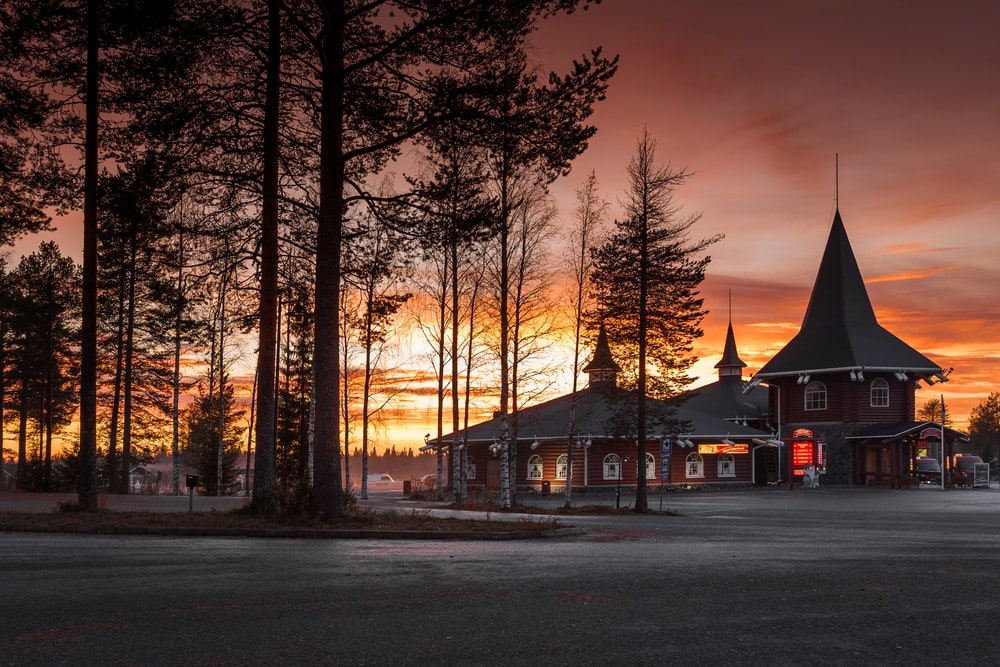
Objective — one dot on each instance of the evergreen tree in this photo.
(214, 437)
(984, 427)
(44, 326)
(645, 279)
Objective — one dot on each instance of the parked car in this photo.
(928, 469)
(380, 477)
(964, 472)
(428, 482)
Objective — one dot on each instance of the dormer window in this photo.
(815, 396)
(880, 393)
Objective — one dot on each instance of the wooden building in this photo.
(713, 436)
(843, 390)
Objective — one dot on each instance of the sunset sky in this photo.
(757, 98)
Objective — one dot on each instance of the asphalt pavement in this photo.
(761, 577)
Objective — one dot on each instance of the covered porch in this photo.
(886, 454)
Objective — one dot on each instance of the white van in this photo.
(380, 477)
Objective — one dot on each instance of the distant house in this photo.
(143, 480)
(844, 388)
(8, 476)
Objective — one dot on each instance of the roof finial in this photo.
(836, 181)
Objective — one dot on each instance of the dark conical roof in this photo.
(602, 360)
(840, 330)
(730, 362)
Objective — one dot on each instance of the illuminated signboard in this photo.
(724, 449)
(802, 453)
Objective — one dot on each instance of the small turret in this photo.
(602, 369)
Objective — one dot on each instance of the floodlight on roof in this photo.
(727, 441)
(901, 376)
(535, 444)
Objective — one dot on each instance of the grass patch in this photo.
(360, 519)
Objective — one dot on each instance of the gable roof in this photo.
(839, 330)
(595, 411)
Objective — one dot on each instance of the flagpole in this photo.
(943, 460)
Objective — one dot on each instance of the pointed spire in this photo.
(602, 368)
(840, 329)
(730, 363)
(839, 297)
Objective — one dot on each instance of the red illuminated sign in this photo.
(802, 453)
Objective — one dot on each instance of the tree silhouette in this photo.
(646, 278)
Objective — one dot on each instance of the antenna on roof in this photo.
(836, 181)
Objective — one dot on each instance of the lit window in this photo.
(534, 467)
(726, 465)
(880, 393)
(650, 466)
(561, 466)
(612, 466)
(694, 465)
(815, 396)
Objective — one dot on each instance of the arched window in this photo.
(534, 467)
(880, 393)
(726, 466)
(612, 466)
(815, 396)
(562, 466)
(694, 465)
(650, 466)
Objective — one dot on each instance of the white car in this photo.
(380, 477)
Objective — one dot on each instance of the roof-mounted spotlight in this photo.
(854, 376)
(688, 443)
(754, 381)
(901, 376)
(727, 441)
(861, 375)
(535, 444)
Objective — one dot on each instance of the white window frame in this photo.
(879, 393)
(650, 466)
(726, 465)
(815, 396)
(694, 466)
(612, 467)
(562, 466)
(535, 467)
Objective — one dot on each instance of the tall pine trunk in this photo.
(87, 480)
(327, 486)
(264, 498)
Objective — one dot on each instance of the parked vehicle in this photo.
(927, 469)
(380, 477)
(964, 472)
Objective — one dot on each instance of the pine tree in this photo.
(646, 278)
(214, 452)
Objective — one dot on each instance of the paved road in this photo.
(827, 577)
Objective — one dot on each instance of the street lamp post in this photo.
(618, 494)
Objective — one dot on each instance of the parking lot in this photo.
(828, 577)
